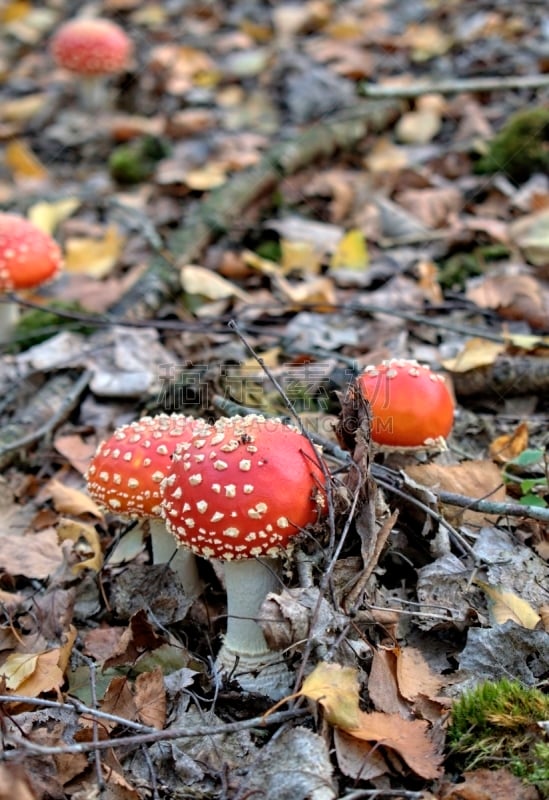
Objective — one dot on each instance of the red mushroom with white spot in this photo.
(411, 405)
(125, 476)
(241, 492)
(93, 49)
(28, 258)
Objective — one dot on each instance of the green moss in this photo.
(37, 325)
(521, 147)
(135, 162)
(495, 725)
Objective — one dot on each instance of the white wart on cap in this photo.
(243, 489)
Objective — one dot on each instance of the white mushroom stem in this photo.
(181, 560)
(9, 312)
(93, 92)
(245, 655)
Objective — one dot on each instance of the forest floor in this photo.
(270, 198)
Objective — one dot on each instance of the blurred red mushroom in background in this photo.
(411, 405)
(241, 492)
(93, 49)
(28, 258)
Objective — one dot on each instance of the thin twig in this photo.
(456, 86)
(168, 734)
(493, 507)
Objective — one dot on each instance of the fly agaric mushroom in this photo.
(125, 476)
(28, 258)
(241, 492)
(411, 406)
(93, 49)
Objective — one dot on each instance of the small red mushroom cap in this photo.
(91, 47)
(28, 256)
(126, 471)
(243, 488)
(411, 405)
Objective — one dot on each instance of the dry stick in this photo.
(47, 409)
(224, 208)
(456, 86)
(168, 734)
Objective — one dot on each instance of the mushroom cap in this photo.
(91, 47)
(411, 405)
(126, 471)
(28, 256)
(243, 488)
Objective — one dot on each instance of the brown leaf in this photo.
(383, 687)
(409, 738)
(76, 450)
(87, 545)
(358, 759)
(475, 479)
(150, 698)
(31, 674)
(415, 676)
(34, 555)
(516, 297)
(475, 353)
(14, 783)
(118, 700)
(138, 638)
(508, 446)
(487, 784)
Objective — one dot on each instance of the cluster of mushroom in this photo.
(239, 491)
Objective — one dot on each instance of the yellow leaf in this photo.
(46, 677)
(20, 109)
(299, 256)
(95, 257)
(508, 446)
(336, 689)
(22, 162)
(208, 284)
(263, 265)
(476, 353)
(14, 11)
(508, 606)
(17, 668)
(79, 532)
(72, 501)
(209, 177)
(316, 291)
(351, 252)
(47, 216)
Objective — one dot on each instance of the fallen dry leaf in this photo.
(509, 445)
(475, 353)
(515, 297)
(76, 450)
(409, 738)
(508, 606)
(47, 216)
(118, 701)
(197, 280)
(150, 698)
(90, 554)
(415, 676)
(336, 689)
(351, 252)
(94, 257)
(15, 782)
(383, 687)
(33, 555)
(67, 500)
(32, 674)
(488, 784)
(475, 479)
(23, 163)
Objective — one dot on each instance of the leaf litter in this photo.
(390, 240)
